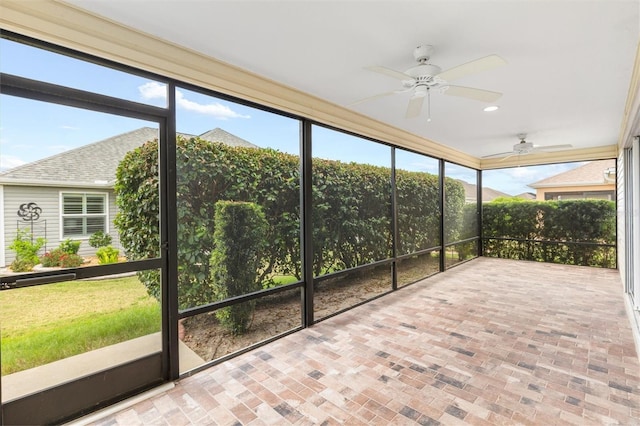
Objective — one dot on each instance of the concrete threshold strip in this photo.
(122, 405)
(23, 383)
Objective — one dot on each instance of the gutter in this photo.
(57, 184)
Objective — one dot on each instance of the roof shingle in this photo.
(591, 173)
(96, 163)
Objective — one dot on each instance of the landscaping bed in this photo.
(277, 314)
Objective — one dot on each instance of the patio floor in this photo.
(490, 342)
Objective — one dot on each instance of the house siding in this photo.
(2, 227)
(48, 225)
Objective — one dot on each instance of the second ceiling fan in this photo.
(424, 77)
(523, 147)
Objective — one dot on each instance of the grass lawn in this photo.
(45, 323)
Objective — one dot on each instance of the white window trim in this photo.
(85, 193)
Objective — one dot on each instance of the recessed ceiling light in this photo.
(491, 108)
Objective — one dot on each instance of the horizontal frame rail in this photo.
(9, 282)
(210, 307)
(528, 240)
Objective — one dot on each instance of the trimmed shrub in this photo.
(239, 239)
(26, 251)
(22, 265)
(52, 258)
(453, 210)
(418, 211)
(555, 230)
(468, 229)
(351, 210)
(137, 221)
(71, 261)
(107, 254)
(351, 215)
(70, 246)
(58, 257)
(99, 239)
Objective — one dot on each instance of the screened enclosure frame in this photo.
(167, 263)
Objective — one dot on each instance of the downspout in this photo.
(611, 171)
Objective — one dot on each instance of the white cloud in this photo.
(515, 180)
(214, 109)
(155, 90)
(521, 172)
(9, 161)
(69, 127)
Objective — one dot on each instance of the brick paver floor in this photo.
(490, 342)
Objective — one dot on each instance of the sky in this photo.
(31, 130)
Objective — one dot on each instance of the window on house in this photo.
(83, 214)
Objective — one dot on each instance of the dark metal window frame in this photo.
(47, 92)
(483, 239)
(166, 118)
(36, 90)
(478, 236)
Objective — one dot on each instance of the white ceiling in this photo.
(569, 63)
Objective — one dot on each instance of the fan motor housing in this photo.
(523, 147)
(423, 70)
(422, 52)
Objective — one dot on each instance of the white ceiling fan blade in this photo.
(389, 72)
(552, 147)
(415, 106)
(472, 93)
(500, 154)
(379, 95)
(370, 98)
(479, 65)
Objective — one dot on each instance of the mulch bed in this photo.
(279, 313)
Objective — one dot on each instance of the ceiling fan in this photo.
(424, 77)
(523, 147)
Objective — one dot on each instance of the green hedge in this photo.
(418, 211)
(468, 229)
(239, 240)
(546, 222)
(351, 210)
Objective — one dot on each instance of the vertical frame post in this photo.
(479, 212)
(169, 212)
(306, 223)
(394, 222)
(443, 199)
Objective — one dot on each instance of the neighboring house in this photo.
(527, 196)
(488, 194)
(70, 195)
(596, 179)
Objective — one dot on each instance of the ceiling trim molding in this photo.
(630, 125)
(66, 25)
(586, 154)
